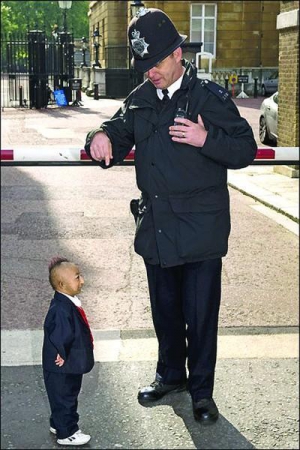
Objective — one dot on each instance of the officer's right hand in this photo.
(101, 148)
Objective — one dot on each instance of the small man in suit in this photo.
(67, 351)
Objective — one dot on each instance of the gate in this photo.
(119, 79)
(33, 66)
(14, 71)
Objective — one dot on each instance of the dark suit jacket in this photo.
(66, 333)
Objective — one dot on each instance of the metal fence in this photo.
(33, 66)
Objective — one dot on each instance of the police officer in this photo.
(187, 132)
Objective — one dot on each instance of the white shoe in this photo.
(78, 438)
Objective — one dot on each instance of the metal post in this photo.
(255, 87)
(96, 91)
(78, 96)
(226, 82)
(65, 20)
(97, 63)
(21, 96)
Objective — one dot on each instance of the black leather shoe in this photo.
(205, 411)
(157, 390)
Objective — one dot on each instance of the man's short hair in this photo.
(54, 263)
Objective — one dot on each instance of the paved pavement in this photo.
(257, 371)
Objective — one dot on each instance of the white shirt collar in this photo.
(74, 299)
(173, 88)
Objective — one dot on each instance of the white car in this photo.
(268, 120)
(270, 84)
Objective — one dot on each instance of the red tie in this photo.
(80, 309)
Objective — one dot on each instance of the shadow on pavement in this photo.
(109, 411)
(221, 435)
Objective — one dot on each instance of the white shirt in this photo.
(74, 299)
(171, 89)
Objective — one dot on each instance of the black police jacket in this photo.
(184, 213)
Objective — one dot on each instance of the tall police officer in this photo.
(183, 220)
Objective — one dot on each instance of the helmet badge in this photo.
(138, 44)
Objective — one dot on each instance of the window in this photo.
(203, 26)
(274, 76)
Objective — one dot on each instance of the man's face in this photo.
(167, 71)
(71, 280)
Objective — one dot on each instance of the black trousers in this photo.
(63, 390)
(185, 302)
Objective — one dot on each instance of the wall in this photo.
(111, 19)
(288, 118)
(246, 30)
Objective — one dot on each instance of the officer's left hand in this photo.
(189, 133)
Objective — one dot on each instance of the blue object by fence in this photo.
(60, 97)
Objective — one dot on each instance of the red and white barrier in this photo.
(278, 154)
(35, 155)
(49, 154)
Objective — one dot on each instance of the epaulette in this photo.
(216, 89)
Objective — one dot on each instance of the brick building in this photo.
(288, 106)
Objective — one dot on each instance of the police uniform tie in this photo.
(165, 98)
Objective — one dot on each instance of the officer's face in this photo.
(167, 71)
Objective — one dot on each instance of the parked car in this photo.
(268, 120)
(270, 84)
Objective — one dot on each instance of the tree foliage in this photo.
(21, 16)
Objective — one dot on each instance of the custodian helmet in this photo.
(152, 37)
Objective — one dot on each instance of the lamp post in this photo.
(135, 6)
(83, 50)
(64, 5)
(96, 46)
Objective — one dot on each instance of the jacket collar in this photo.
(61, 297)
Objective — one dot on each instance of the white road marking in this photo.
(24, 347)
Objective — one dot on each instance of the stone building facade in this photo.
(239, 34)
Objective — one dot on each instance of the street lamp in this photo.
(64, 5)
(96, 46)
(83, 50)
(135, 6)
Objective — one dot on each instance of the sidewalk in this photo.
(66, 127)
(82, 213)
(276, 191)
